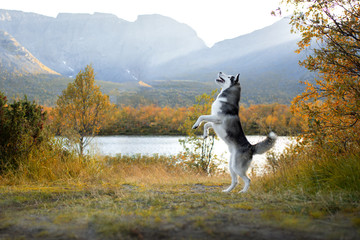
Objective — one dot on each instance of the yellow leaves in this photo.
(82, 107)
(145, 120)
(156, 120)
(271, 120)
(260, 119)
(331, 104)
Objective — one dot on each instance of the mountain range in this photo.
(153, 50)
(16, 59)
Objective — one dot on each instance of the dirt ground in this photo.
(191, 211)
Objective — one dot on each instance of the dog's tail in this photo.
(266, 144)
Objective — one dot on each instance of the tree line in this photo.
(82, 112)
(155, 120)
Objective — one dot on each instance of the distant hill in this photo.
(154, 50)
(120, 51)
(21, 73)
(227, 53)
(265, 59)
(15, 59)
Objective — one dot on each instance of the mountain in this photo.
(226, 53)
(23, 74)
(119, 50)
(265, 59)
(15, 59)
(154, 50)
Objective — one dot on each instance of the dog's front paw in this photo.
(205, 135)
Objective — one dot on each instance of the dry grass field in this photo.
(153, 198)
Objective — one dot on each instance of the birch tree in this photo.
(81, 110)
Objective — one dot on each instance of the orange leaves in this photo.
(145, 120)
(332, 103)
(260, 119)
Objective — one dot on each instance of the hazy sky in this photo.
(213, 20)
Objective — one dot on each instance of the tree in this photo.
(81, 109)
(331, 28)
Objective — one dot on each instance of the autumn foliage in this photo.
(155, 120)
(82, 109)
(331, 105)
(145, 120)
(326, 160)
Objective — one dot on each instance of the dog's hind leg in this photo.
(246, 180)
(207, 126)
(240, 167)
(234, 177)
(234, 181)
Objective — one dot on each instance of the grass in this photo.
(142, 197)
(331, 179)
(160, 211)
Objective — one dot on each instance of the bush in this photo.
(21, 131)
(198, 152)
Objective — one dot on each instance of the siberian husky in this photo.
(224, 119)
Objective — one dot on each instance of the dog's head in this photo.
(226, 81)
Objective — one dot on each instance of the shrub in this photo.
(198, 152)
(21, 131)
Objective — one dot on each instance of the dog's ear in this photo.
(237, 78)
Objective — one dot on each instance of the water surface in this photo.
(169, 145)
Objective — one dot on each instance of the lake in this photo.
(169, 145)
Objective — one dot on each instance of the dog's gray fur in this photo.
(224, 119)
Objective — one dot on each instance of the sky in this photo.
(213, 20)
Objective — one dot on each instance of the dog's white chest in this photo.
(216, 106)
(216, 110)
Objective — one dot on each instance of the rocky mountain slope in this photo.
(120, 51)
(153, 49)
(15, 59)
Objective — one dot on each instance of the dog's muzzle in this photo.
(220, 80)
